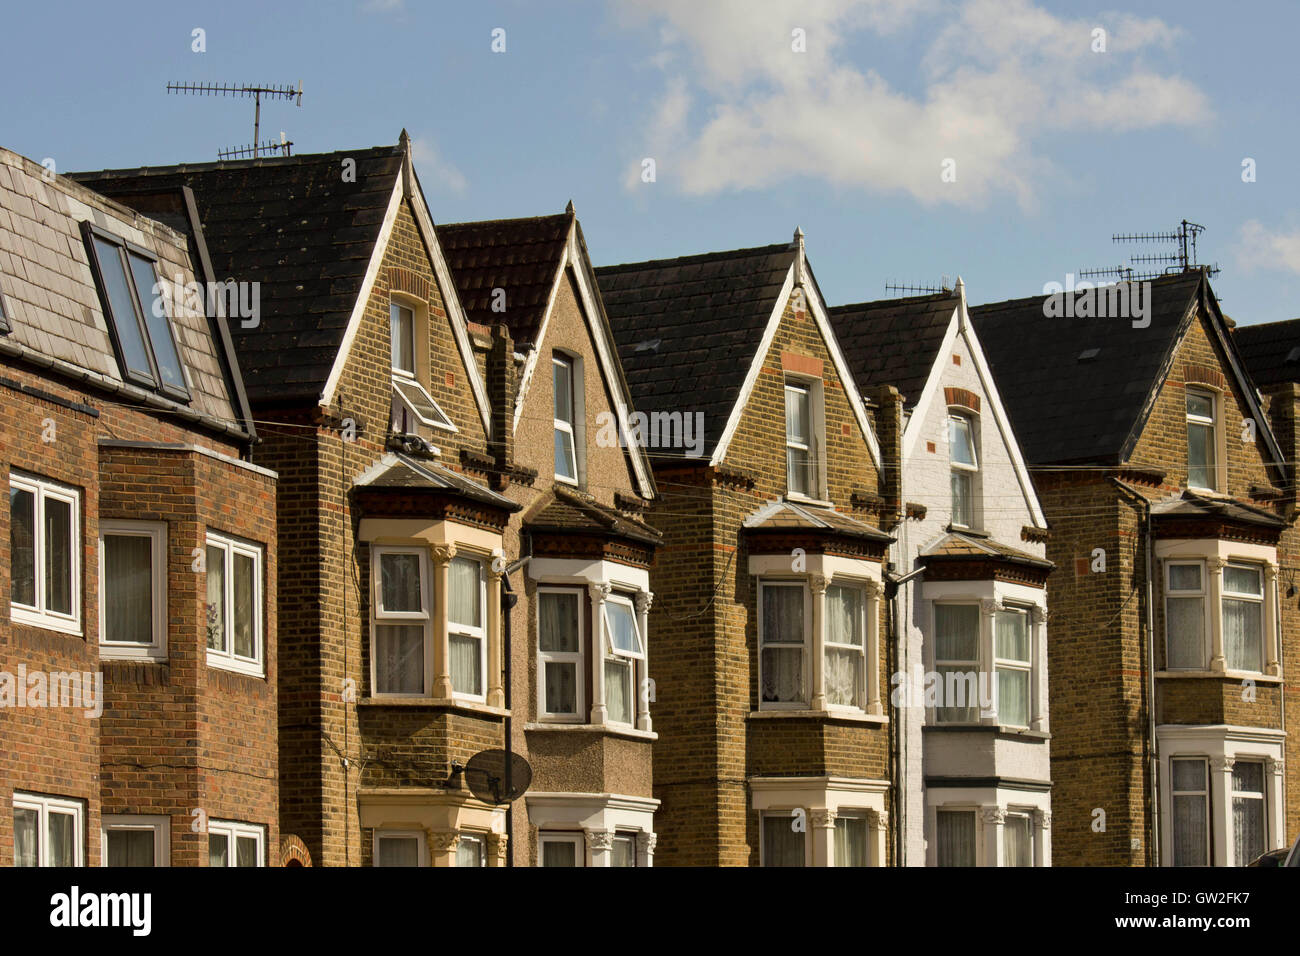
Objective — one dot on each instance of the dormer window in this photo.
(401, 330)
(964, 463)
(138, 323)
(566, 451)
(1201, 439)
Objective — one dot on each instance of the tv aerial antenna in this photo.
(286, 92)
(1183, 259)
(909, 290)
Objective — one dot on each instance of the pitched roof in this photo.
(788, 516)
(1189, 504)
(1078, 389)
(295, 226)
(688, 328)
(894, 341)
(1271, 351)
(568, 511)
(957, 546)
(53, 304)
(519, 256)
(399, 471)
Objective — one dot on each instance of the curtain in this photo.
(466, 674)
(399, 658)
(22, 546)
(26, 831)
(963, 511)
(1013, 697)
(557, 622)
(58, 556)
(1186, 632)
(1190, 808)
(218, 849)
(244, 621)
(463, 601)
(1200, 455)
(782, 667)
(956, 837)
(623, 852)
(399, 582)
(843, 676)
(844, 615)
(399, 851)
(61, 833)
(246, 851)
(618, 690)
(561, 687)
(1011, 632)
(956, 638)
(559, 853)
(1018, 841)
(782, 844)
(1243, 636)
(216, 598)
(130, 847)
(1248, 811)
(469, 852)
(128, 592)
(850, 841)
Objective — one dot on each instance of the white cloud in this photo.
(436, 173)
(1261, 248)
(999, 77)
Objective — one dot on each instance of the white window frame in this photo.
(854, 813)
(625, 836)
(379, 616)
(395, 304)
(1203, 595)
(569, 428)
(38, 615)
(160, 826)
(860, 692)
(972, 666)
(480, 633)
(1173, 801)
(421, 847)
(44, 807)
(408, 381)
(232, 831)
(228, 659)
(805, 700)
(1011, 664)
(578, 659)
(577, 840)
(1212, 422)
(814, 390)
(156, 532)
(1261, 598)
(634, 660)
(971, 472)
(479, 840)
(1026, 814)
(788, 817)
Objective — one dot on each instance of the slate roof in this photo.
(1271, 351)
(51, 300)
(1191, 505)
(788, 516)
(520, 256)
(956, 546)
(688, 328)
(568, 511)
(894, 341)
(1077, 389)
(294, 225)
(399, 471)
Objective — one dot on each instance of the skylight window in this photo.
(137, 318)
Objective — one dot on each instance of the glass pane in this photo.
(22, 546)
(1018, 841)
(798, 471)
(618, 690)
(61, 831)
(850, 841)
(216, 598)
(1189, 775)
(155, 320)
(782, 844)
(1247, 828)
(1013, 697)
(782, 615)
(1184, 577)
(401, 323)
(844, 615)
(782, 674)
(559, 853)
(623, 852)
(796, 415)
(399, 659)
(1200, 455)
(1185, 632)
(469, 852)
(464, 604)
(399, 582)
(1190, 838)
(58, 555)
(565, 455)
(246, 851)
(1243, 634)
(958, 694)
(963, 501)
(957, 632)
(26, 837)
(561, 687)
(557, 622)
(961, 445)
(466, 669)
(563, 390)
(1241, 579)
(122, 309)
(128, 591)
(246, 610)
(622, 631)
(1011, 632)
(130, 847)
(398, 851)
(956, 838)
(1248, 777)
(843, 676)
(218, 849)
(1200, 405)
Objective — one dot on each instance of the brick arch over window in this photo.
(962, 398)
(293, 852)
(1205, 375)
(404, 280)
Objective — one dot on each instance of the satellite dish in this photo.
(498, 777)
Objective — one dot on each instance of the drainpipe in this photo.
(1149, 688)
(898, 743)
(508, 601)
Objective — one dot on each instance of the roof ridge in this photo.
(250, 163)
(497, 222)
(1166, 279)
(929, 297)
(696, 257)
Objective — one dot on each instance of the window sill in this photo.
(1002, 730)
(614, 730)
(441, 703)
(1235, 676)
(132, 655)
(234, 667)
(805, 500)
(33, 619)
(849, 716)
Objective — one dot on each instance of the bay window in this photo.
(1191, 803)
(1014, 665)
(561, 849)
(560, 658)
(1185, 615)
(133, 589)
(955, 833)
(465, 624)
(781, 644)
(400, 645)
(623, 849)
(48, 831)
(234, 605)
(964, 467)
(956, 643)
(1249, 827)
(1243, 617)
(623, 650)
(844, 645)
(44, 549)
(1201, 439)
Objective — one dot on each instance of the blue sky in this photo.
(1055, 145)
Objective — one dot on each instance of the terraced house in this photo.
(138, 660)
(1171, 511)
(769, 655)
(968, 611)
(403, 508)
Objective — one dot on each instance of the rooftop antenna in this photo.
(1121, 273)
(907, 290)
(256, 92)
(284, 147)
(1183, 260)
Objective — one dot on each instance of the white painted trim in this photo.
(530, 364)
(380, 833)
(847, 380)
(232, 831)
(160, 826)
(226, 660)
(156, 533)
